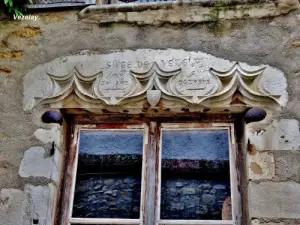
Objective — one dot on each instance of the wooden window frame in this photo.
(76, 143)
(150, 209)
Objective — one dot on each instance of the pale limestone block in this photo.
(34, 164)
(14, 207)
(274, 200)
(41, 201)
(261, 166)
(279, 135)
(48, 136)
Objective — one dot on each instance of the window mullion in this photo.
(235, 159)
(150, 176)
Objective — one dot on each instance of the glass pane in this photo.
(108, 181)
(195, 175)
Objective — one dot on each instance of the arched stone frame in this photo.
(154, 83)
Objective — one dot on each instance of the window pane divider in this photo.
(103, 221)
(196, 222)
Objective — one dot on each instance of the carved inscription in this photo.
(175, 62)
(117, 64)
(116, 84)
(194, 84)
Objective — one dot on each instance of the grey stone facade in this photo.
(30, 176)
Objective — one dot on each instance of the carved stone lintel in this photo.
(119, 79)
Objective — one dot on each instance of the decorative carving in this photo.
(248, 85)
(153, 97)
(190, 81)
(112, 89)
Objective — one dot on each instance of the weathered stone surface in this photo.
(261, 166)
(287, 165)
(185, 12)
(274, 200)
(14, 207)
(257, 222)
(187, 77)
(280, 135)
(48, 136)
(35, 164)
(41, 200)
(286, 5)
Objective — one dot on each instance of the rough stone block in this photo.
(261, 166)
(280, 135)
(13, 207)
(34, 164)
(274, 200)
(287, 165)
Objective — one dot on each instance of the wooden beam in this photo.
(150, 179)
(69, 177)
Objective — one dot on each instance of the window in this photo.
(153, 173)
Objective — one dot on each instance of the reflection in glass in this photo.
(108, 181)
(195, 174)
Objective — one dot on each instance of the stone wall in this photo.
(193, 199)
(30, 174)
(273, 174)
(114, 197)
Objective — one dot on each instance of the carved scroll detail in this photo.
(237, 79)
(96, 89)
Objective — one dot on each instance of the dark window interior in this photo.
(108, 181)
(195, 174)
